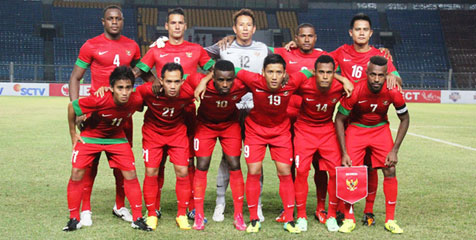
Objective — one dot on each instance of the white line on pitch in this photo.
(440, 141)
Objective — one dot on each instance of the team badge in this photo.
(351, 183)
(128, 52)
(286, 93)
(234, 97)
(385, 102)
(189, 54)
(334, 100)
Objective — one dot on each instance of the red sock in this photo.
(320, 179)
(390, 189)
(237, 186)
(150, 193)
(120, 195)
(341, 206)
(372, 189)
(286, 191)
(333, 200)
(252, 194)
(88, 181)
(134, 195)
(301, 188)
(160, 184)
(199, 188)
(74, 195)
(191, 174)
(349, 211)
(183, 192)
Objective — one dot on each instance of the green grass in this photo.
(436, 181)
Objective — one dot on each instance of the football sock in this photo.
(237, 186)
(286, 191)
(120, 195)
(88, 181)
(333, 201)
(252, 194)
(390, 189)
(320, 179)
(199, 188)
(372, 191)
(191, 174)
(301, 190)
(183, 192)
(160, 184)
(74, 195)
(150, 193)
(134, 194)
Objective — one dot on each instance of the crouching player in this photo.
(164, 130)
(218, 117)
(314, 125)
(105, 133)
(369, 129)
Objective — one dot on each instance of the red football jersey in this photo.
(270, 107)
(216, 108)
(318, 107)
(370, 109)
(105, 124)
(189, 55)
(104, 55)
(296, 60)
(353, 64)
(165, 113)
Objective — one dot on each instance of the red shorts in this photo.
(190, 115)
(154, 144)
(119, 155)
(258, 137)
(377, 139)
(206, 137)
(311, 139)
(128, 127)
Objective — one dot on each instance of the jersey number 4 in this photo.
(116, 60)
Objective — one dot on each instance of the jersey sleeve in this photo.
(301, 76)
(346, 104)
(392, 69)
(85, 56)
(144, 89)
(213, 51)
(148, 61)
(246, 77)
(194, 79)
(205, 61)
(398, 102)
(136, 57)
(86, 105)
(335, 55)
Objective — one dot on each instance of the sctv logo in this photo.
(29, 91)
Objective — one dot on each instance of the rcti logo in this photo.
(455, 96)
(29, 91)
(352, 184)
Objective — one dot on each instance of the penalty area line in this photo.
(439, 140)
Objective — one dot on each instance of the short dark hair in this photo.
(360, 16)
(304, 25)
(111, 7)
(378, 60)
(224, 65)
(121, 73)
(272, 59)
(244, 12)
(325, 59)
(178, 11)
(170, 67)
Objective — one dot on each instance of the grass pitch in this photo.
(436, 181)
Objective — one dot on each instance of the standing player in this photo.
(103, 54)
(369, 129)
(314, 124)
(218, 117)
(105, 133)
(189, 56)
(352, 61)
(164, 131)
(249, 55)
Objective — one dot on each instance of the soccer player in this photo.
(352, 61)
(248, 54)
(314, 125)
(369, 129)
(103, 54)
(163, 131)
(105, 133)
(218, 117)
(189, 56)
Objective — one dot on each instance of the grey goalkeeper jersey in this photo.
(250, 58)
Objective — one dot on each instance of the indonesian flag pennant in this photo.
(351, 183)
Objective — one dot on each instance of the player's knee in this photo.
(203, 164)
(129, 175)
(181, 171)
(152, 172)
(234, 163)
(389, 172)
(77, 174)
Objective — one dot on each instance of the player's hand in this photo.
(346, 162)
(75, 138)
(386, 53)
(392, 159)
(160, 42)
(202, 87)
(101, 91)
(225, 42)
(290, 45)
(157, 87)
(393, 83)
(348, 86)
(79, 122)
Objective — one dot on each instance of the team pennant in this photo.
(351, 183)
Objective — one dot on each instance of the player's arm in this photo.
(394, 80)
(404, 116)
(74, 82)
(201, 88)
(340, 131)
(75, 137)
(346, 84)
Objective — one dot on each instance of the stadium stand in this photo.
(288, 19)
